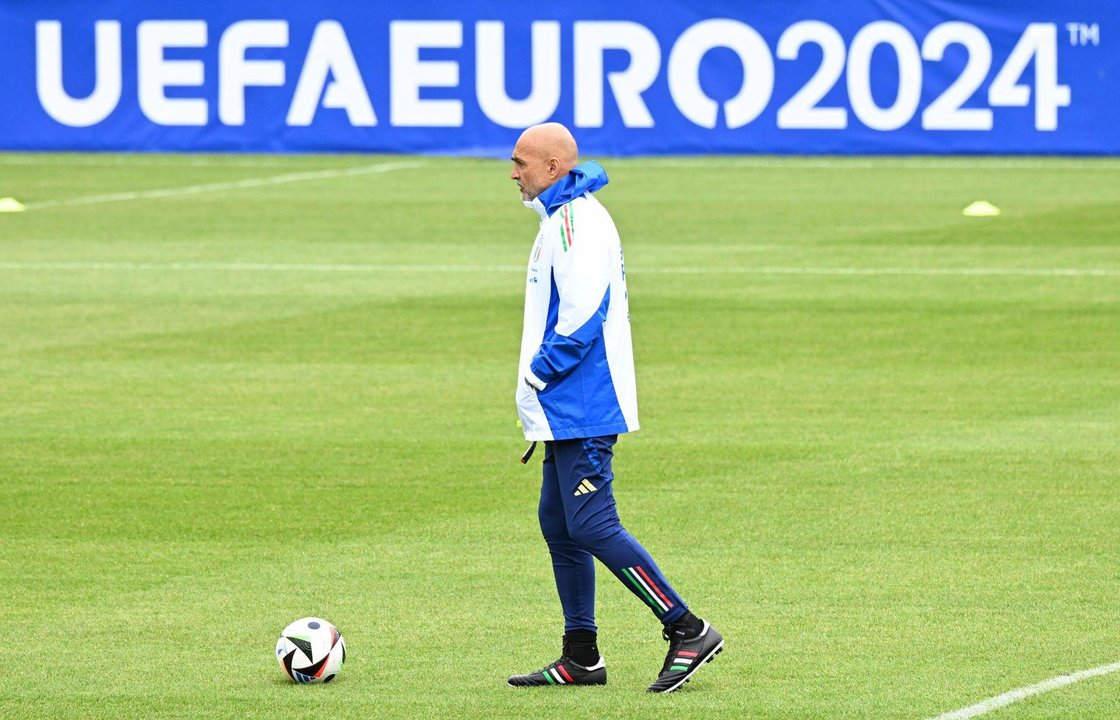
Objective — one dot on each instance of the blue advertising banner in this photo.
(660, 77)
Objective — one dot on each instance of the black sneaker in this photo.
(564, 671)
(686, 656)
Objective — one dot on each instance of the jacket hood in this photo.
(587, 177)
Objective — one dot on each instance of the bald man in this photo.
(576, 393)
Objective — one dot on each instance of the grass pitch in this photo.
(880, 445)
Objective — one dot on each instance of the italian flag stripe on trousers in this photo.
(645, 591)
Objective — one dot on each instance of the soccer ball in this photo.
(311, 650)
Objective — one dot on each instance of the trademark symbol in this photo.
(1082, 34)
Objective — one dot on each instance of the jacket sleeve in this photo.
(581, 275)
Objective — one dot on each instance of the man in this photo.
(576, 392)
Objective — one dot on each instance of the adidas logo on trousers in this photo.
(585, 487)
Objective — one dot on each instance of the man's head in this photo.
(543, 154)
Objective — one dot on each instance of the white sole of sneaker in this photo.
(697, 666)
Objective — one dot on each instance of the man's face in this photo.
(533, 171)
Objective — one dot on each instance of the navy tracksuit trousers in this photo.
(579, 523)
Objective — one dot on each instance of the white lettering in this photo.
(801, 110)
(237, 73)
(591, 39)
(1040, 43)
(909, 76)
(330, 54)
(409, 73)
(155, 72)
(684, 72)
(945, 112)
(95, 107)
(425, 57)
(490, 64)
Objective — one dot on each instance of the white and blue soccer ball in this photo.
(311, 650)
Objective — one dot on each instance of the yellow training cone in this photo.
(981, 208)
(10, 205)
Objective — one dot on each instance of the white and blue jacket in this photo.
(576, 376)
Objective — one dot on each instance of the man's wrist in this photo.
(534, 382)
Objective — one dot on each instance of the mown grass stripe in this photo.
(1082, 272)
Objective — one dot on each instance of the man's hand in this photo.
(535, 382)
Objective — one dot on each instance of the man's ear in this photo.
(553, 167)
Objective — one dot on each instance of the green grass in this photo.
(896, 494)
